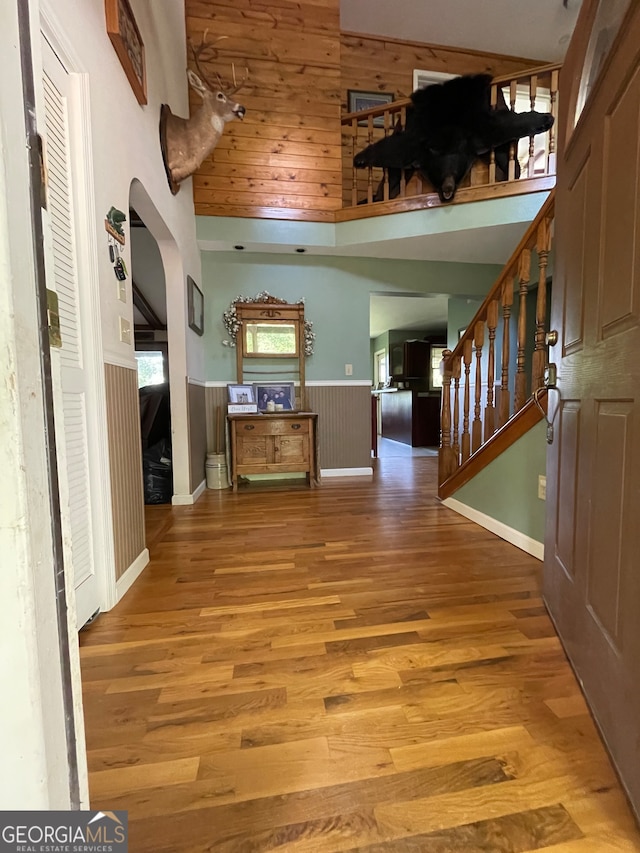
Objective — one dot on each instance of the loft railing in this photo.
(486, 382)
(528, 90)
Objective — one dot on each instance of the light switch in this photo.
(125, 331)
(348, 370)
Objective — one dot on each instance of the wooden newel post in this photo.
(476, 435)
(446, 458)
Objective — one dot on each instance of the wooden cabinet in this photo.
(273, 444)
(411, 417)
(416, 360)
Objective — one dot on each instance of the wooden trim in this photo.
(464, 51)
(528, 416)
(463, 195)
(537, 71)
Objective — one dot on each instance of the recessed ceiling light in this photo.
(301, 251)
(239, 247)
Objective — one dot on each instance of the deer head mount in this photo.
(185, 142)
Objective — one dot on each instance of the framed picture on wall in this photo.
(127, 43)
(195, 301)
(365, 101)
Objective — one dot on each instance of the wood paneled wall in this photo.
(344, 423)
(284, 159)
(197, 433)
(125, 464)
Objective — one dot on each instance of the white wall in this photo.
(123, 147)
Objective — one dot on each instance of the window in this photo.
(436, 374)
(150, 368)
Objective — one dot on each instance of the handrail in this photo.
(535, 159)
(496, 395)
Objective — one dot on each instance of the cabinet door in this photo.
(292, 450)
(254, 450)
(417, 359)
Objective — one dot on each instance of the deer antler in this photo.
(203, 47)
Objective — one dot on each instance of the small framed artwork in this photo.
(275, 397)
(195, 299)
(365, 101)
(241, 394)
(127, 42)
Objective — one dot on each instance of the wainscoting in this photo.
(344, 422)
(125, 465)
(196, 402)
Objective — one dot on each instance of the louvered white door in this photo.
(68, 363)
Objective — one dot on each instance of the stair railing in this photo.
(496, 379)
(536, 88)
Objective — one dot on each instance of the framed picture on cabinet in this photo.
(276, 396)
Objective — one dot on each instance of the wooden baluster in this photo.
(524, 276)
(551, 164)
(490, 412)
(492, 154)
(354, 171)
(385, 174)
(543, 246)
(456, 372)
(476, 432)
(533, 89)
(507, 302)
(446, 460)
(467, 349)
(403, 180)
(513, 148)
(370, 168)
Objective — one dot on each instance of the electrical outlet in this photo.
(348, 370)
(542, 487)
(125, 330)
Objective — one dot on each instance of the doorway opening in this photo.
(151, 346)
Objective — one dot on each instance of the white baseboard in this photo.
(187, 500)
(520, 540)
(134, 571)
(346, 472)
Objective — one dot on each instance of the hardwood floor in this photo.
(348, 668)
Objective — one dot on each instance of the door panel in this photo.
(69, 374)
(591, 576)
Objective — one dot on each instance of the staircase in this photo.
(494, 380)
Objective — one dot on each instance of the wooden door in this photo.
(592, 569)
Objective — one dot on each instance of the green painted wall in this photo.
(460, 313)
(507, 489)
(336, 292)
